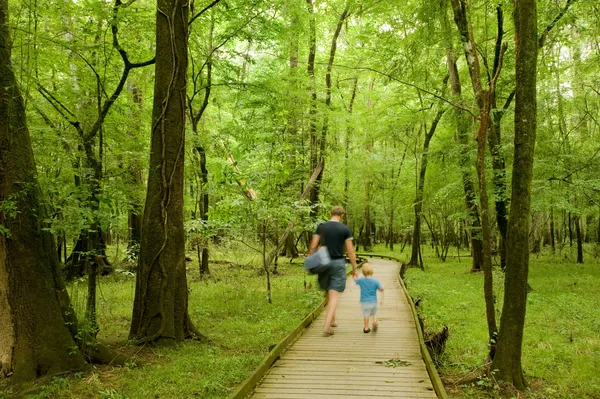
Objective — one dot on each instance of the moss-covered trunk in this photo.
(160, 311)
(34, 338)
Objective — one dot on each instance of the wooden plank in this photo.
(368, 391)
(350, 363)
(412, 395)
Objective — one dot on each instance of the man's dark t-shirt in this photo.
(333, 235)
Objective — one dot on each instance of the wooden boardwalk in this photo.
(350, 363)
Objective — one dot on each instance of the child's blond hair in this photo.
(367, 269)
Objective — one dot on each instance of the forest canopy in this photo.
(159, 140)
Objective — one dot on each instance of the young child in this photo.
(368, 296)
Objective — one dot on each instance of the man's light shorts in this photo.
(369, 309)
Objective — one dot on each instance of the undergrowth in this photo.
(561, 352)
(561, 349)
(230, 307)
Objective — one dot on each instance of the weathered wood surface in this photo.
(350, 363)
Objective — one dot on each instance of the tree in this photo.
(483, 98)
(507, 361)
(39, 328)
(160, 310)
(35, 340)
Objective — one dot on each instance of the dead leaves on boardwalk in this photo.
(395, 363)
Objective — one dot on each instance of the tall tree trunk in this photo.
(367, 240)
(321, 143)
(35, 339)
(312, 116)
(134, 218)
(418, 204)
(495, 143)
(579, 235)
(195, 117)
(552, 229)
(598, 232)
(462, 134)
(507, 361)
(570, 221)
(461, 18)
(349, 133)
(160, 310)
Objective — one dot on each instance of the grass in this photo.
(561, 353)
(561, 349)
(230, 307)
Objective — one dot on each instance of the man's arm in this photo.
(351, 256)
(314, 244)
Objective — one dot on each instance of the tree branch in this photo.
(457, 106)
(499, 36)
(127, 67)
(60, 108)
(214, 3)
(544, 35)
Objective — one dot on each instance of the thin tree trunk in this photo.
(461, 18)
(570, 220)
(134, 218)
(312, 116)
(349, 133)
(579, 236)
(462, 134)
(418, 204)
(552, 229)
(495, 143)
(507, 361)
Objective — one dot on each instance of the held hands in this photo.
(355, 274)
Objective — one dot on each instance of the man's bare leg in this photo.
(332, 302)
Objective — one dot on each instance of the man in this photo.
(336, 236)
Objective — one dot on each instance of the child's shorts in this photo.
(369, 309)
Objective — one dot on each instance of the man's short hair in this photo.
(337, 211)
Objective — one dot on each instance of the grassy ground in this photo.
(231, 308)
(561, 352)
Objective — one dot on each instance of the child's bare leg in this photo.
(375, 322)
(366, 323)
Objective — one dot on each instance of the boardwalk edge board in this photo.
(438, 385)
(248, 385)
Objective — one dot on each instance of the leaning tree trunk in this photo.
(34, 338)
(160, 310)
(507, 361)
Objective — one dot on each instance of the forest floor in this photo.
(230, 307)
(561, 353)
(561, 348)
